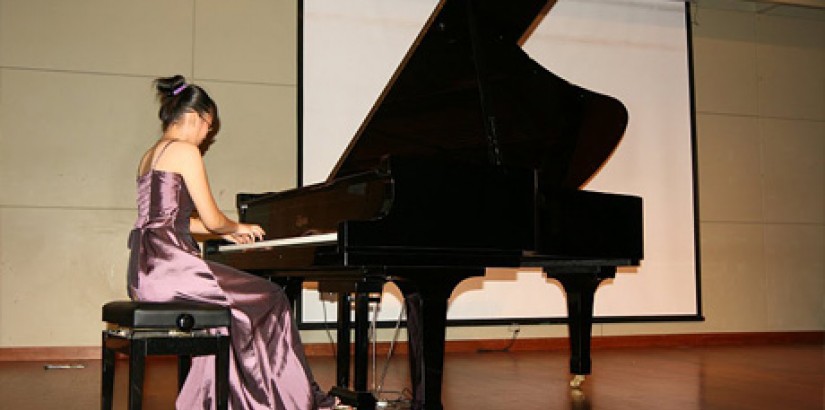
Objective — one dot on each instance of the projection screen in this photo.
(634, 50)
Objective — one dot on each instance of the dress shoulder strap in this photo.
(162, 150)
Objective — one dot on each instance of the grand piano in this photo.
(474, 156)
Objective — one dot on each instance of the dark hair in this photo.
(177, 97)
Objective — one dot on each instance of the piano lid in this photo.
(467, 93)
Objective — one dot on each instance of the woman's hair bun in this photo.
(166, 86)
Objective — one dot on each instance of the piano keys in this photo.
(318, 239)
(473, 157)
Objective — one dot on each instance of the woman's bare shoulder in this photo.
(178, 156)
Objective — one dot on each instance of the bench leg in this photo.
(107, 374)
(222, 373)
(184, 364)
(137, 361)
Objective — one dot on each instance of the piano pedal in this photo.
(352, 400)
(577, 381)
(393, 405)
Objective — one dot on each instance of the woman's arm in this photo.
(189, 163)
(196, 227)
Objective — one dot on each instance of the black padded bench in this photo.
(140, 329)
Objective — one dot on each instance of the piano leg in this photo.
(362, 342)
(343, 341)
(426, 293)
(580, 287)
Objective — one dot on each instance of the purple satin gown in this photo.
(268, 369)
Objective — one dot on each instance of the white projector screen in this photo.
(634, 50)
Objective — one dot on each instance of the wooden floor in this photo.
(724, 378)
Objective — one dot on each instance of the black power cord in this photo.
(516, 331)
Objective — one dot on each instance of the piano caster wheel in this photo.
(577, 381)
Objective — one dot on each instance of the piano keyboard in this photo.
(321, 239)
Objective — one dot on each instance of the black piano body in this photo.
(473, 157)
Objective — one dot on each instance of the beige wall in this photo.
(77, 109)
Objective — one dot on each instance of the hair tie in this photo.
(179, 89)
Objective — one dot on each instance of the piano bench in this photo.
(140, 329)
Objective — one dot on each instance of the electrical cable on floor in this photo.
(516, 331)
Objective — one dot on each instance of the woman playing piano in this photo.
(268, 369)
